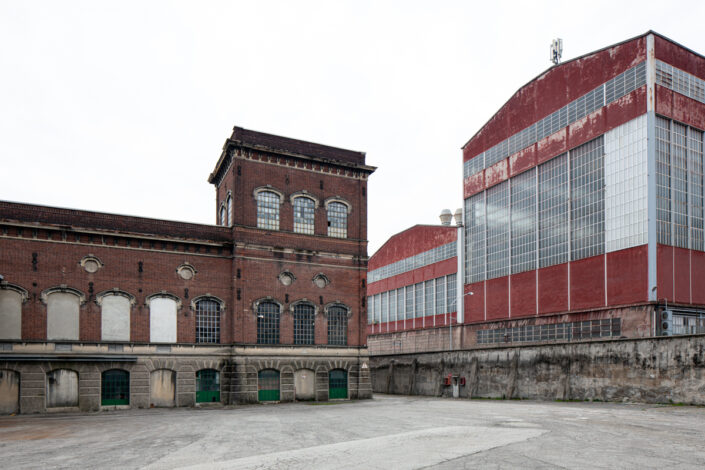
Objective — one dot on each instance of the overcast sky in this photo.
(124, 106)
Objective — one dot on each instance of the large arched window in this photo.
(304, 208)
(229, 205)
(304, 323)
(11, 299)
(115, 387)
(223, 215)
(207, 319)
(337, 325)
(63, 305)
(115, 308)
(268, 322)
(268, 209)
(337, 219)
(162, 317)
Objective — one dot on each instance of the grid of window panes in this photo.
(680, 81)
(434, 255)
(378, 308)
(695, 173)
(679, 184)
(475, 238)
(523, 217)
(370, 310)
(587, 193)
(689, 324)
(392, 305)
(433, 297)
(429, 300)
(304, 215)
(304, 323)
(385, 307)
(570, 331)
(207, 321)
(337, 220)
(663, 180)
(338, 325)
(268, 323)
(409, 290)
(268, 210)
(418, 300)
(451, 290)
(553, 211)
(679, 160)
(612, 90)
(440, 295)
(498, 230)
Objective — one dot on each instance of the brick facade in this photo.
(235, 263)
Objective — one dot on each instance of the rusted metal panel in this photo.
(552, 146)
(625, 109)
(678, 56)
(498, 298)
(474, 184)
(522, 160)
(665, 272)
(688, 111)
(553, 288)
(681, 275)
(627, 276)
(587, 283)
(497, 173)
(523, 290)
(410, 242)
(475, 303)
(697, 273)
(587, 128)
(664, 101)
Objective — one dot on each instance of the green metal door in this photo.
(337, 384)
(207, 386)
(268, 385)
(115, 388)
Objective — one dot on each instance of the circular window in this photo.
(286, 278)
(91, 264)
(186, 271)
(321, 280)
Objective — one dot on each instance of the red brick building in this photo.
(108, 310)
(584, 202)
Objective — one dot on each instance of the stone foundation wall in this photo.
(652, 370)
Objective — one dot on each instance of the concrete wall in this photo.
(653, 370)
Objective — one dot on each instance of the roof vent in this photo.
(446, 216)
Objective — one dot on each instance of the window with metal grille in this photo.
(440, 295)
(400, 303)
(385, 307)
(695, 177)
(207, 386)
(587, 195)
(207, 321)
(115, 387)
(304, 323)
(475, 238)
(498, 230)
(409, 302)
(452, 282)
(268, 323)
(418, 303)
(370, 310)
(337, 220)
(337, 384)
(268, 210)
(304, 215)
(428, 298)
(679, 185)
(663, 180)
(338, 325)
(392, 306)
(268, 385)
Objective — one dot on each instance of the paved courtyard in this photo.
(389, 432)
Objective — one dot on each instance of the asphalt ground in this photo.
(388, 432)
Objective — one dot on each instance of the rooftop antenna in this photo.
(556, 51)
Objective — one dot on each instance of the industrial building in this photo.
(102, 310)
(583, 207)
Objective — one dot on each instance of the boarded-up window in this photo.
(9, 391)
(10, 314)
(115, 318)
(162, 387)
(62, 316)
(62, 388)
(162, 320)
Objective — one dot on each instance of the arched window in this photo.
(115, 315)
(304, 321)
(268, 323)
(223, 215)
(207, 386)
(268, 385)
(63, 305)
(337, 220)
(11, 299)
(304, 208)
(207, 320)
(229, 204)
(337, 384)
(115, 387)
(268, 210)
(162, 317)
(338, 325)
